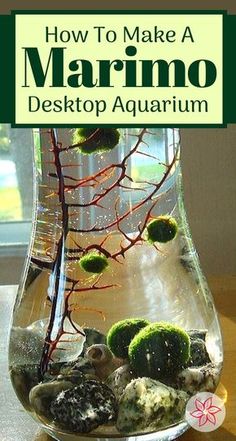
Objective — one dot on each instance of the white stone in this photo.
(147, 405)
(119, 379)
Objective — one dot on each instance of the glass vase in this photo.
(114, 327)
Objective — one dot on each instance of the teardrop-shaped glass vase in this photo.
(114, 327)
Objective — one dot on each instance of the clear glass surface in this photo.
(65, 368)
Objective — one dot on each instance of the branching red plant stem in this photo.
(52, 344)
(60, 292)
(57, 279)
(138, 237)
(132, 241)
(135, 207)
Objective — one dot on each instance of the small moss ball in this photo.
(121, 334)
(104, 140)
(93, 262)
(159, 350)
(162, 229)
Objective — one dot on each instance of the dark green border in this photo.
(120, 11)
(7, 74)
(229, 68)
(229, 74)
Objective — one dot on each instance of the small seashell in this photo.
(103, 360)
(98, 354)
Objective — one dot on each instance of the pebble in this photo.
(43, 394)
(147, 405)
(119, 379)
(81, 364)
(199, 379)
(93, 337)
(198, 353)
(85, 407)
(197, 333)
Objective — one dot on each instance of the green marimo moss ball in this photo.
(121, 334)
(103, 141)
(93, 263)
(162, 229)
(159, 350)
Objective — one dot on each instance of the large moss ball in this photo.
(102, 141)
(162, 229)
(159, 350)
(121, 334)
(93, 262)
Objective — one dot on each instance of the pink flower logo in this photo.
(205, 412)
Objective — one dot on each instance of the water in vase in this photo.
(114, 327)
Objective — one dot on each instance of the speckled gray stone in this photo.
(197, 333)
(199, 379)
(198, 353)
(84, 407)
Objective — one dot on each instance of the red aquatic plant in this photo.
(105, 181)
